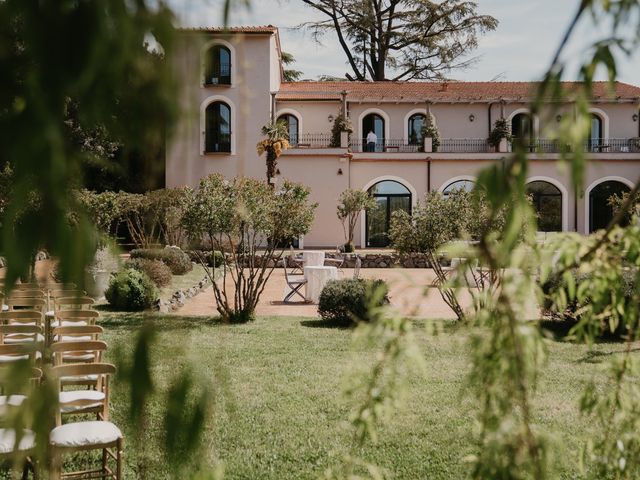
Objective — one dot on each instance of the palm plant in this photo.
(277, 140)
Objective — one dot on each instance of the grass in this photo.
(183, 282)
(279, 411)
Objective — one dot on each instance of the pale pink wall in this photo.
(313, 115)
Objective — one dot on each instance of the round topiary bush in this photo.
(177, 260)
(345, 301)
(156, 270)
(131, 290)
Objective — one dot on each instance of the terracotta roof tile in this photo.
(436, 91)
(239, 29)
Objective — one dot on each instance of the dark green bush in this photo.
(345, 301)
(156, 270)
(213, 258)
(177, 260)
(131, 290)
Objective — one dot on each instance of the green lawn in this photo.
(280, 412)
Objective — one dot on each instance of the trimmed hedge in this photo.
(131, 290)
(173, 257)
(345, 301)
(156, 270)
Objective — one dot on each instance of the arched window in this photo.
(600, 211)
(373, 123)
(522, 129)
(217, 66)
(547, 202)
(217, 128)
(292, 127)
(466, 185)
(415, 128)
(595, 134)
(390, 196)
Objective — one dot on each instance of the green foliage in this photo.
(104, 209)
(290, 74)
(341, 123)
(178, 261)
(64, 46)
(618, 201)
(131, 290)
(212, 258)
(156, 270)
(430, 130)
(238, 217)
(346, 301)
(499, 131)
(277, 140)
(350, 204)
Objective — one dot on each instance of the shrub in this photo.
(156, 270)
(500, 130)
(213, 258)
(131, 290)
(346, 301)
(173, 257)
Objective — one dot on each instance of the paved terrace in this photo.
(407, 294)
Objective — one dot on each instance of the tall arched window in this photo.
(217, 128)
(522, 129)
(600, 210)
(292, 127)
(415, 128)
(595, 134)
(390, 196)
(217, 66)
(547, 202)
(466, 185)
(373, 123)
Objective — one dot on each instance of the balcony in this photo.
(311, 140)
(594, 145)
(447, 145)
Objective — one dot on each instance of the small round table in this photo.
(317, 277)
(313, 258)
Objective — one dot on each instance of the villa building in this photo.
(231, 84)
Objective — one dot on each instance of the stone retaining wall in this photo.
(179, 297)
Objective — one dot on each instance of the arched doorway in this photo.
(373, 123)
(291, 121)
(522, 129)
(547, 202)
(600, 212)
(595, 134)
(390, 196)
(457, 185)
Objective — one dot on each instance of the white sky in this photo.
(519, 49)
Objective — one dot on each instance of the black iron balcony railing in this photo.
(384, 145)
(463, 145)
(594, 145)
(310, 140)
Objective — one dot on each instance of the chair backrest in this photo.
(358, 265)
(76, 333)
(78, 317)
(86, 351)
(26, 292)
(21, 317)
(102, 372)
(19, 351)
(61, 293)
(27, 303)
(16, 334)
(72, 303)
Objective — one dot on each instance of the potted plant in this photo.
(500, 135)
(98, 273)
(429, 130)
(341, 125)
(350, 204)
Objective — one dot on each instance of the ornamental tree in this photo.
(277, 140)
(350, 204)
(249, 221)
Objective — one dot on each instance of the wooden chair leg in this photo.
(104, 462)
(119, 459)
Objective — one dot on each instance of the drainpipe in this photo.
(575, 210)
(490, 119)
(273, 107)
(428, 174)
(343, 96)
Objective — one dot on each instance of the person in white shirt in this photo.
(372, 139)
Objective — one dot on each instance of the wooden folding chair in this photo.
(87, 351)
(77, 333)
(12, 398)
(72, 303)
(21, 334)
(26, 292)
(83, 436)
(27, 303)
(21, 317)
(19, 352)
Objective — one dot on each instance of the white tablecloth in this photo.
(317, 277)
(313, 258)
